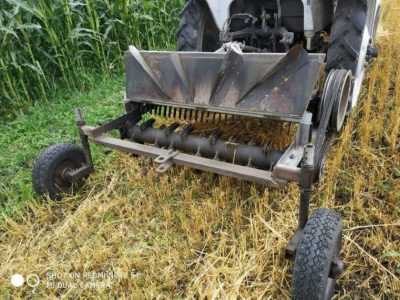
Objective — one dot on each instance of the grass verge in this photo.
(47, 123)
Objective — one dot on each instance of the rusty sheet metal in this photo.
(253, 84)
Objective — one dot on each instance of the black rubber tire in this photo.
(321, 243)
(197, 30)
(346, 35)
(46, 178)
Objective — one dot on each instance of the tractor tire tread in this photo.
(346, 35)
(197, 31)
(187, 35)
(315, 248)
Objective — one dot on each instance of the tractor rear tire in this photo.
(346, 35)
(318, 248)
(197, 30)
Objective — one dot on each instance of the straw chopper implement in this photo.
(300, 62)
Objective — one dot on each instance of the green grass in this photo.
(46, 50)
(47, 123)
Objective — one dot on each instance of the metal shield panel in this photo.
(255, 84)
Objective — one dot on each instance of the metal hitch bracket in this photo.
(166, 162)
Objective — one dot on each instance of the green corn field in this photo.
(46, 44)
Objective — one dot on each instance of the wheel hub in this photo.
(61, 178)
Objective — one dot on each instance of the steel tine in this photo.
(289, 128)
(171, 128)
(148, 124)
(231, 139)
(251, 143)
(187, 130)
(250, 162)
(215, 135)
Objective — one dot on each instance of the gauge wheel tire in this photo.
(347, 35)
(197, 30)
(319, 247)
(48, 172)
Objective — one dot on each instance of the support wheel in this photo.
(50, 172)
(317, 263)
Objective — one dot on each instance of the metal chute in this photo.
(253, 84)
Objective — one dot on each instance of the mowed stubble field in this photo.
(195, 235)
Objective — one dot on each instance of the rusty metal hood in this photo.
(253, 84)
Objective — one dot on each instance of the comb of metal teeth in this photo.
(190, 115)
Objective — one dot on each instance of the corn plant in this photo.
(45, 44)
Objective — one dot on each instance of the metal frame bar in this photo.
(285, 171)
(181, 159)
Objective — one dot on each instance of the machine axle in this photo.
(208, 147)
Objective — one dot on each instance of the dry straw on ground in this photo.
(197, 235)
